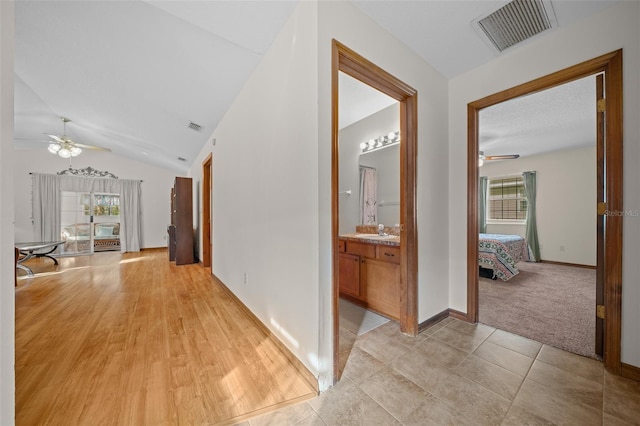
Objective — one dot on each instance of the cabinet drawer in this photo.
(342, 246)
(388, 254)
(364, 250)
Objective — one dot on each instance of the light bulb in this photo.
(54, 148)
(75, 151)
(391, 136)
(64, 153)
(372, 143)
(363, 145)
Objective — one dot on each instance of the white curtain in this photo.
(46, 205)
(368, 196)
(130, 215)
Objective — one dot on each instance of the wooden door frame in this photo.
(611, 65)
(351, 63)
(600, 220)
(206, 210)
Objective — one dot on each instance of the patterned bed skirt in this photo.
(501, 253)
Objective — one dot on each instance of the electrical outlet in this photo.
(246, 278)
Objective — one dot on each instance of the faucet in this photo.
(381, 230)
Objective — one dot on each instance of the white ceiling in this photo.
(563, 117)
(441, 31)
(357, 100)
(131, 75)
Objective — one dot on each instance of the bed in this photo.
(500, 253)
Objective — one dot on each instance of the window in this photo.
(506, 200)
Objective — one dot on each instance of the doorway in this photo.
(609, 156)
(347, 61)
(206, 211)
(90, 222)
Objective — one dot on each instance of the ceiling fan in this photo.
(65, 147)
(482, 158)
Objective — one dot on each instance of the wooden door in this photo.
(206, 211)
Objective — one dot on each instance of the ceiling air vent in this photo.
(194, 126)
(515, 22)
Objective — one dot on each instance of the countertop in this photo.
(390, 240)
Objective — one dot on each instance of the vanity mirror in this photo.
(369, 155)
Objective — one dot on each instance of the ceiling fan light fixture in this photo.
(64, 153)
(54, 148)
(75, 151)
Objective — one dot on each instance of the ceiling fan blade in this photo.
(502, 157)
(95, 148)
(55, 138)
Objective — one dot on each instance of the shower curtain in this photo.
(368, 196)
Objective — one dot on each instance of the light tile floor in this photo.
(456, 373)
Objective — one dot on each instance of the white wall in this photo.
(272, 179)
(565, 202)
(614, 28)
(265, 183)
(386, 161)
(347, 24)
(7, 263)
(156, 188)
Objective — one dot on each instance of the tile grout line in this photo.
(513, 401)
(474, 381)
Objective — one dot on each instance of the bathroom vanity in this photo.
(370, 272)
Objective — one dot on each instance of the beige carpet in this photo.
(359, 320)
(552, 304)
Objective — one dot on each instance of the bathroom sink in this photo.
(376, 236)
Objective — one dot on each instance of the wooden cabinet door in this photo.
(349, 277)
(381, 287)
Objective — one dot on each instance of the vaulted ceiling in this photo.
(132, 75)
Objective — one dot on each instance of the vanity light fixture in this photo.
(390, 139)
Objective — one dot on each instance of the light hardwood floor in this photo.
(135, 340)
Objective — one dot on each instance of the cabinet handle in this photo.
(390, 254)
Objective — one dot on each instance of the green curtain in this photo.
(482, 204)
(529, 179)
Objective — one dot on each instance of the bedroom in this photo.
(553, 300)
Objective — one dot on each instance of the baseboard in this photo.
(630, 371)
(440, 316)
(576, 265)
(153, 249)
(433, 320)
(298, 365)
(458, 315)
